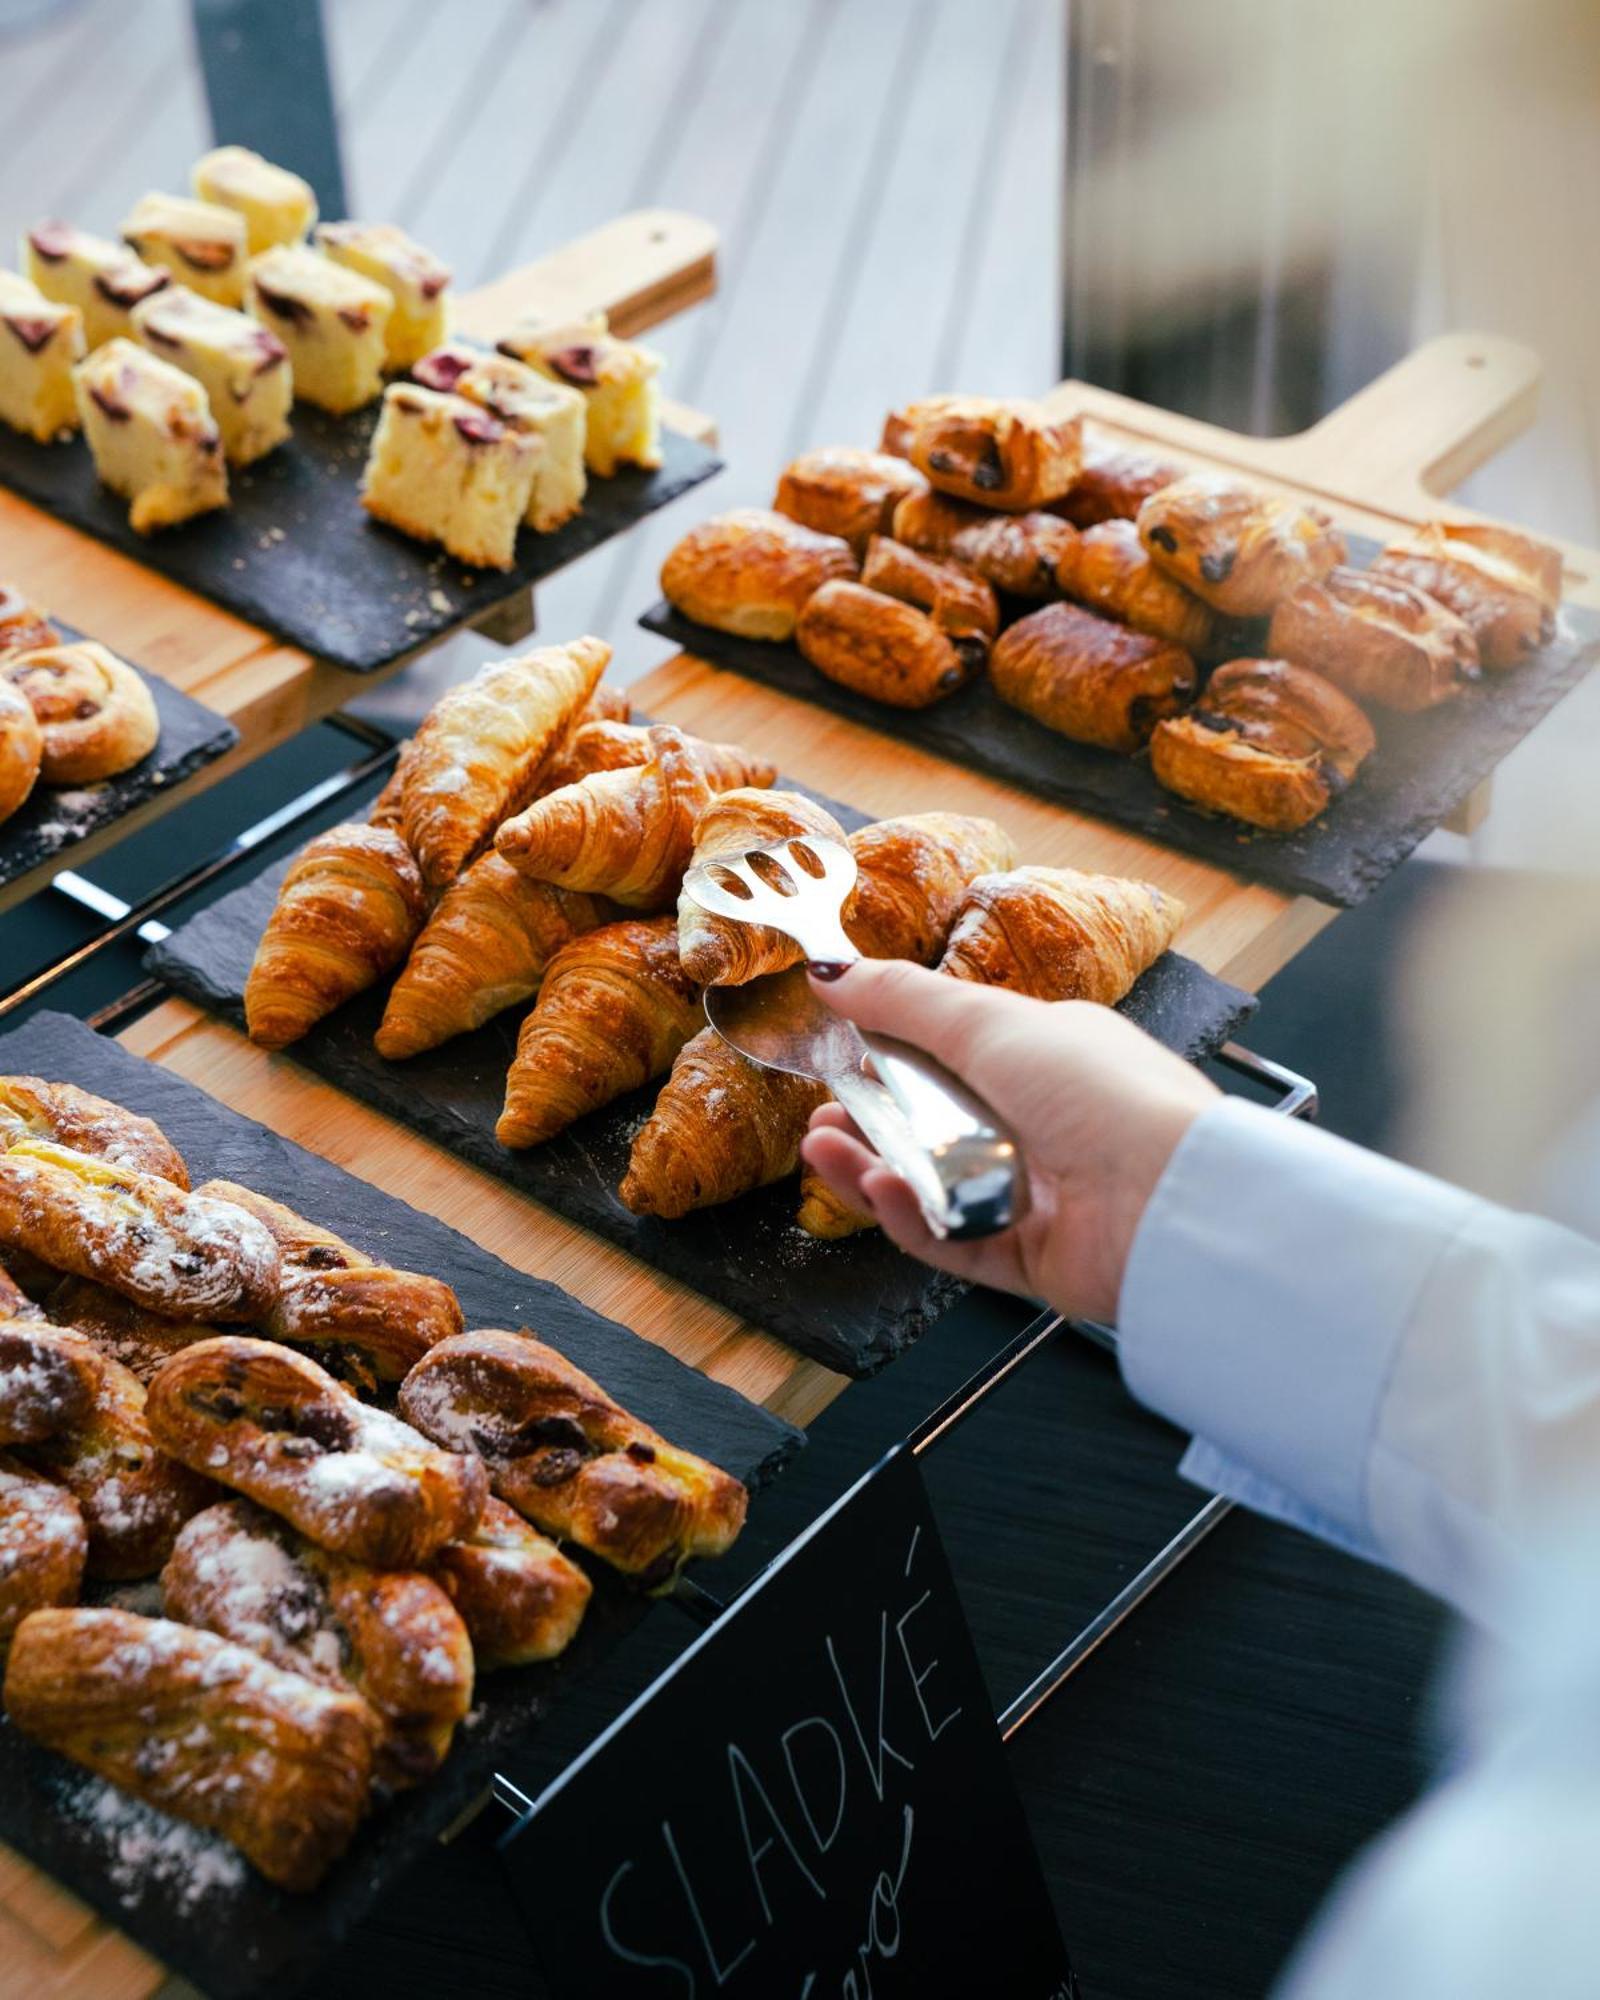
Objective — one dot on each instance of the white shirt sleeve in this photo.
(1401, 1367)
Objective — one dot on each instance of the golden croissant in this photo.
(348, 909)
(615, 1008)
(911, 874)
(1057, 934)
(716, 950)
(619, 746)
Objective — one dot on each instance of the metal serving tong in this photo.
(963, 1164)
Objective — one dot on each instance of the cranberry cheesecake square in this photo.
(332, 322)
(150, 429)
(616, 378)
(40, 343)
(104, 280)
(202, 245)
(447, 471)
(277, 206)
(413, 277)
(243, 368)
(519, 396)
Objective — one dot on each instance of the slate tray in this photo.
(55, 817)
(854, 1304)
(297, 555)
(242, 1936)
(1423, 768)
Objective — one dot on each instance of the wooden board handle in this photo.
(640, 269)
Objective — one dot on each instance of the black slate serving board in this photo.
(854, 1304)
(296, 554)
(240, 1936)
(1423, 768)
(56, 817)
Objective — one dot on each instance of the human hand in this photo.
(1098, 1107)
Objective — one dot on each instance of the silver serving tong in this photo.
(963, 1164)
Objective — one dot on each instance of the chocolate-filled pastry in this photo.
(898, 430)
(141, 1340)
(1109, 569)
(31, 1108)
(23, 626)
(1016, 553)
(274, 1426)
(751, 571)
(879, 646)
(1114, 481)
(48, 1379)
(1241, 549)
(21, 749)
(1379, 638)
(43, 1544)
(995, 452)
(335, 1296)
(564, 1454)
(956, 598)
(202, 1728)
(97, 715)
(1091, 680)
(1059, 934)
(839, 490)
(1268, 743)
(519, 1597)
(393, 1637)
(174, 1252)
(1506, 586)
(718, 951)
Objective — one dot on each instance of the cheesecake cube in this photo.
(413, 277)
(277, 206)
(104, 280)
(447, 471)
(40, 343)
(241, 365)
(616, 378)
(200, 243)
(524, 399)
(332, 322)
(152, 435)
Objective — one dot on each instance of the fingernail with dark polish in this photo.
(828, 968)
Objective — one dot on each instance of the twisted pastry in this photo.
(564, 1454)
(30, 1108)
(202, 1728)
(139, 1339)
(43, 1544)
(485, 948)
(715, 950)
(48, 1379)
(618, 746)
(97, 715)
(615, 1008)
(519, 1597)
(274, 1426)
(393, 1637)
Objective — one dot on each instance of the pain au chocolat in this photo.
(751, 571)
(839, 490)
(1241, 549)
(1382, 639)
(880, 646)
(1089, 679)
(996, 452)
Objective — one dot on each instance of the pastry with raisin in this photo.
(241, 365)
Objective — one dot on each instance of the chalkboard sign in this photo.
(812, 1803)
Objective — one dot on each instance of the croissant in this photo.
(485, 948)
(911, 874)
(393, 1637)
(519, 1597)
(274, 1426)
(43, 1545)
(1506, 586)
(627, 834)
(1107, 567)
(346, 914)
(139, 1339)
(334, 1295)
(202, 1728)
(48, 1379)
(1057, 934)
(717, 951)
(480, 747)
(615, 1008)
(617, 746)
(1017, 553)
(604, 705)
(564, 1454)
(30, 1108)
(177, 1253)
(825, 1215)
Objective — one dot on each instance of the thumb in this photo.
(932, 1011)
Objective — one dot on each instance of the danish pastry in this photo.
(519, 1597)
(14, 1301)
(1091, 680)
(48, 1379)
(1379, 638)
(1269, 743)
(23, 626)
(1016, 553)
(1241, 549)
(996, 453)
(393, 1637)
(841, 491)
(717, 951)
(30, 1108)
(1114, 481)
(139, 1339)
(274, 1426)
(202, 1728)
(176, 1253)
(1059, 934)
(43, 1545)
(751, 571)
(1108, 568)
(1506, 586)
(21, 749)
(564, 1454)
(879, 646)
(956, 598)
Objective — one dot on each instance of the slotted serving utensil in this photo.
(959, 1158)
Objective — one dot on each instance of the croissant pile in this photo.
(353, 1503)
(1095, 583)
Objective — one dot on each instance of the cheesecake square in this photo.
(445, 470)
(152, 435)
(41, 342)
(616, 378)
(241, 365)
(332, 322)
(413, 277)
(277, 206)
(104, 280)
(201, 244)
(521, 397)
